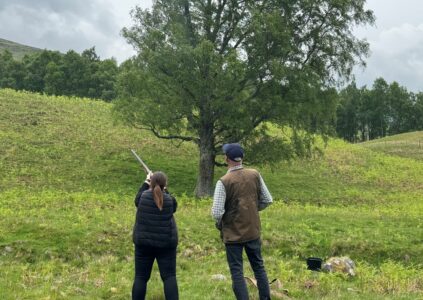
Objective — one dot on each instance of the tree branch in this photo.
(317, 33)
(218, 17)
(170, 75)
(187, 15)
(168, 137)
(231, 29)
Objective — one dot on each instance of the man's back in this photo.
(241, 221)
(237, 199)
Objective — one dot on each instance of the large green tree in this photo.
(216, 71)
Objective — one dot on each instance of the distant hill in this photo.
(18, 50)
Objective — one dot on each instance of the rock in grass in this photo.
(187, 253)
(219, 277)
(340, 264)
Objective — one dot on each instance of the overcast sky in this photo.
(396, 42)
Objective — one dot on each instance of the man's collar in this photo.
(238, 167)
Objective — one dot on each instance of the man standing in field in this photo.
(238, 197)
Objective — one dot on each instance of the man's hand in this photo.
(148, 178)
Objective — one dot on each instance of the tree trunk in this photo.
(204, 187)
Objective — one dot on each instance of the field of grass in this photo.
(67, 183)
(18, 50)
(404, 145)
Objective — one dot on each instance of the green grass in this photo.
(404, 145)
(18, 50)
(67, 183)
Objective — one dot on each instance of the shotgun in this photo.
(144, 166)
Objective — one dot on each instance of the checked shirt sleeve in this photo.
(219, 199)
(265, 198)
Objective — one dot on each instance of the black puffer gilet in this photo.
(154, 227)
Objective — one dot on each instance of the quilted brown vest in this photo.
(241, 220)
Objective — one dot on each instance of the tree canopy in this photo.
(384, 109)
(70, 74)
(217, 71)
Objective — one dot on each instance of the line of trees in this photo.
(54, 73)
(385, 109)
(362, 113)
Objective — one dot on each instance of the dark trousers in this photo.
(144, 259)
(234, 256)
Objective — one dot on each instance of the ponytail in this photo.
(158, 182)
(158, 196)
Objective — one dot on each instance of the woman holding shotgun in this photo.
(155, 236)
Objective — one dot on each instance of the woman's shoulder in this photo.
(147, 194)
(149, 191)
(168, 195)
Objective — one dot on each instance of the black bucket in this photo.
(314, 263)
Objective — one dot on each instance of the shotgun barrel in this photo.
(144, 166)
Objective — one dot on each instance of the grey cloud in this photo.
(397, 48)
(391, 13)
(396, 43)
(58, 6)
(397, 55)
(60, 25)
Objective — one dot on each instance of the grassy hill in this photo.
(18, 50)
(67, 183)
(404, 145)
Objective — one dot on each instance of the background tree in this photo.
(71, 74)
(349, 117)
(36, 69)
(76, 72)
(385, 109)
(377, 108)
(400, 109)
(106, 75)
(418, 112)
(55, 79)
(212, 72)
(11, 72)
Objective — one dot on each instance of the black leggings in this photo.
(144, 259)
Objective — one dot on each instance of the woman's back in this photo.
(155, 237)
(155, 227)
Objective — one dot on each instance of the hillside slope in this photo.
(18, 50)
(405, 145)
(75, 145)
(67, 183)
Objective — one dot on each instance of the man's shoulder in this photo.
(252, 173)
(224, 177)
(247, 171)
(251, 170)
